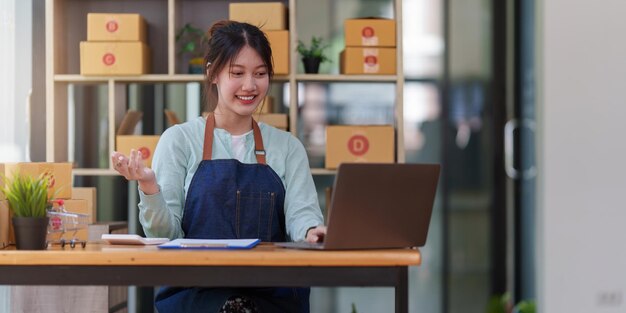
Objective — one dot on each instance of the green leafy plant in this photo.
(504, 304)
(314, 50)
(190, 40)
(27, 196)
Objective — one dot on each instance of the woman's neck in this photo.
(233, 123)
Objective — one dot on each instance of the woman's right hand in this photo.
(133, 168)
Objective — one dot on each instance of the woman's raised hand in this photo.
(133, 168)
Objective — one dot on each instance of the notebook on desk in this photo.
(376, 206)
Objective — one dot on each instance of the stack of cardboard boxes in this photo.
(370, 47)
(116, 45)
(76, 200)
(271, 17)
(370, 50)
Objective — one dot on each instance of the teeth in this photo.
(246, 98)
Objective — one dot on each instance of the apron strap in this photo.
(207, 152)
(259, 151)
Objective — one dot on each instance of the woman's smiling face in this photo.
(242, 86)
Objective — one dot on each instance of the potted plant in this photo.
(29, 201)
(313, 54)
(504, 304)
(190, 40)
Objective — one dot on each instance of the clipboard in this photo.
(214, 244)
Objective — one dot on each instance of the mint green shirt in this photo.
(179, 153)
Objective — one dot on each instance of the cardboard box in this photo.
(372, 144)
(88, 194)
(5, 224)
(277, 120)
(114, 58)
(267, 106)
(115, 27)
(279, 41)
(2, 197)
(60, 175)
(375, 32)
(71, 231)
(378, 61)
(266, 15)
(145, 145)
(125, 140)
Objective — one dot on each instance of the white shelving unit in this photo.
(66, 26)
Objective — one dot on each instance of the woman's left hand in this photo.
(316, 234)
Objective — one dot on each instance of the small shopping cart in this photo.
(64, 223)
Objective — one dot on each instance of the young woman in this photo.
(225, 176)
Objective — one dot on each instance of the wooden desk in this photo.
(265, 265)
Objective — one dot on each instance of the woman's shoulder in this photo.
(278, 138)
(276, 134)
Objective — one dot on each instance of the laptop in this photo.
(378, 206)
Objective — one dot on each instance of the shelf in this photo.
(110, 172)
(94, 172)
(323, 171)
(345, 78)
(150, 78)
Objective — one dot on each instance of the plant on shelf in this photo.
(190, 41)
(504, 304)
(313, 54)
(29, 201)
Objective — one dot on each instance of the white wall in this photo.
(15, 78)
(15, 85)
(582, 150)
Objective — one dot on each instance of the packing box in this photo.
(373, 144)
(267, 106)
(266, 15)
(2, 197)
(60, 175)
(144, 144)
(125, 140)
(114, 58)
(115, 27)
(279, 41)
(357, 60)
(66, 229)
(377, 32)
(277, 120)
(5, 224)
(88, 194)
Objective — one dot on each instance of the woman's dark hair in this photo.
(225, 41)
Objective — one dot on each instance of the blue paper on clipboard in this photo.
(210, 244)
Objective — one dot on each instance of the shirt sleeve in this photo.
(302, 210)
(161, 214)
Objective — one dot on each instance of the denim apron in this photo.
(228, 199)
